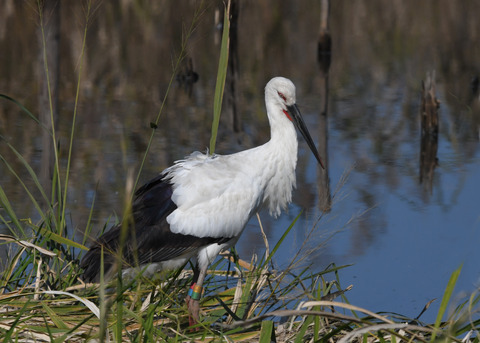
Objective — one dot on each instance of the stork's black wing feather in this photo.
(149, 239)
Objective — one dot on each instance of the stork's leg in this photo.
(194, 296)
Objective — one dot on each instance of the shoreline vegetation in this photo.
(42, 298)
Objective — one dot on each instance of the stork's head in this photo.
(280, 92)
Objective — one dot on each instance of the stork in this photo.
(200, 206)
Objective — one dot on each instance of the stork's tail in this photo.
(103, 249)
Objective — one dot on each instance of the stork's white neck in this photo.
(280, 161)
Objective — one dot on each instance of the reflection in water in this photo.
(187, 77)
(429, 129)
(324, 54)
(473, 102)
(324, 47)
(230, 94)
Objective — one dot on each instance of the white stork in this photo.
(199, 206)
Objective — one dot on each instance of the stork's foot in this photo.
(193, 307)
(194, 294)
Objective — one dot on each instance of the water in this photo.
(404, 238)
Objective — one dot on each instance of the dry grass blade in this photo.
(26, 244)
(290, 313)
(91, 306)
(348, 307)
(264, 236)
(373, 328)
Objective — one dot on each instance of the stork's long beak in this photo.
(300, 125)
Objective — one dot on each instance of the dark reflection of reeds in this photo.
(187, 77)
(324, 53)
(324, 47)
(429, 133)
(230, 94)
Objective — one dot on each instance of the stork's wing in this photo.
(150, 238)
(154, 240)
(216, 195)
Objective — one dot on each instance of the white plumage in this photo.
(200, 205)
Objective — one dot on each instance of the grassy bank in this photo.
(42, 300)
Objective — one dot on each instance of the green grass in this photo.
(42, 298)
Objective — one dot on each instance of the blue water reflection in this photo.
(403, 243)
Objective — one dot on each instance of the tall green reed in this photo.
(221, 76)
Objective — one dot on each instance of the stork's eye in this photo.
(282, 96)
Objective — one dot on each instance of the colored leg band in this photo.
(196, 292)
(190, 291)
